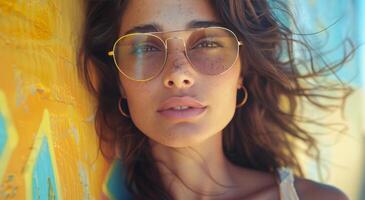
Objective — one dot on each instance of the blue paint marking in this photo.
(43, 179)
(3, 134)
(116, 183)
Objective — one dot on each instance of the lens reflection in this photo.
(211, 51)
(140, 56)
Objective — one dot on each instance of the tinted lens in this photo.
(140, 56)
(212, 50)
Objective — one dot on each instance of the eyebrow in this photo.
(154, 27)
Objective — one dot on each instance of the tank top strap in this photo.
(287, 189)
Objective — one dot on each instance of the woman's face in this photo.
(178, 78)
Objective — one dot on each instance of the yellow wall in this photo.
(43, 103)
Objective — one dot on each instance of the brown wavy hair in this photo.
(262, 134)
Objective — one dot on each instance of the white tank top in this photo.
(287, 189)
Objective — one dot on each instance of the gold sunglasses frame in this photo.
(164, 42)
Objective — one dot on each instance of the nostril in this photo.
(186, 81)
(171, 83)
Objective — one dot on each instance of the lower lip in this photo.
(182, 114)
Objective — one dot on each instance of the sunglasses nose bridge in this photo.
(173, 46)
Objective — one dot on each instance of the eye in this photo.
(144, 49)
(206, 44)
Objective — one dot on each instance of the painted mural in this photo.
(48, 146)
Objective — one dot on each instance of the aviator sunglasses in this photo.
(142, 56)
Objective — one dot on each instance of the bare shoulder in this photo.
(312, 190)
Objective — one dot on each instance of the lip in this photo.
(180, 101)
(196, 108)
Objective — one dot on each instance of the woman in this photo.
(190, 94)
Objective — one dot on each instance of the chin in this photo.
(183, 137)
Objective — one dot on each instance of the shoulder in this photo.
(312, 190)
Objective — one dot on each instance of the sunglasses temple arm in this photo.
(110, 53)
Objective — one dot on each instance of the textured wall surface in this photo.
(48, 147)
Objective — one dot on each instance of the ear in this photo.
(122, 91)
(240, 82)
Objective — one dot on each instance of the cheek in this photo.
(218, 92)
(224, 93)
(139, 100)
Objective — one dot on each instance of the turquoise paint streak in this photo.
(43, 179)
(3, 134)
(115, 184)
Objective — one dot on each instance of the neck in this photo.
(196, 171)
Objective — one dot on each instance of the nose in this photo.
(178, 71)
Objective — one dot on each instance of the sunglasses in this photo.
(142, 56)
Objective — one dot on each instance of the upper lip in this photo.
(180, 101)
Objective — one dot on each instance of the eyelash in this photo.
(203, 44)
(207, 44)
(145, 48)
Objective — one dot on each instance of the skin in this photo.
(191, 150)
(219, 91)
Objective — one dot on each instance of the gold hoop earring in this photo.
(244, 99)
(121, 109)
